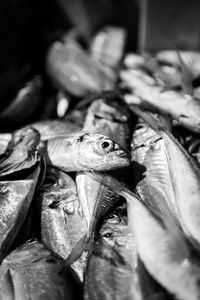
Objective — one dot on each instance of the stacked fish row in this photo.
(105, 202)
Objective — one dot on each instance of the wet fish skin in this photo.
(49, 129)
(86, 152)
(21, 152)
(167, 250)
(155, 184)
(161, 245)
(181, 107)
(16, 197)
(21, 171)
(113, 270)
(62, 224)
(108, 270)
(32, 271)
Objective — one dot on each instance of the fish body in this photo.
(181, 107)
(20, 173)
(49, 129)
(114, 270)
(84, 152)
(155, 184)
(72, 68)
(163, 248)
(62, 224)
(21, 151)
(32, 271)
(161, 245)
(185, 174)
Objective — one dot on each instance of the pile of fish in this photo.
(102, 200)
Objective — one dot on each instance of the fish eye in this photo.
(113, 218)
(107, 233)
(49, 181)
(107, 145)
(141, 127)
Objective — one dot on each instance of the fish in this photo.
(32, 271)
(107, 46)
(149, 150)
(113, 270)
(61, 221)
(185, 175)
(21, 172)
(53, 128)
(182, 108)
(75, 71)
(21, 152)
(161, 244)
(4, 140)
(85, 151)
(106, 115)
(191, 58)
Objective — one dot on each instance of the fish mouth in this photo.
(124, 154)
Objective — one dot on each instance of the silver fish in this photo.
(21, 169)
(84, 152)
(62, 224)
(32, 271)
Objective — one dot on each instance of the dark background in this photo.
(28, 27)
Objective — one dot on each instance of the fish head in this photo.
(110, 106)
(58, 187)
(143, 135)
(101, 153)
(29, 136)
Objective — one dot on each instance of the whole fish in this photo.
(21, 170)
(62, 224)
(32, 271)
(149, 150)
(185, 175)
(107, 46)
(84, 152)
(75, 71)
(111, 116)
